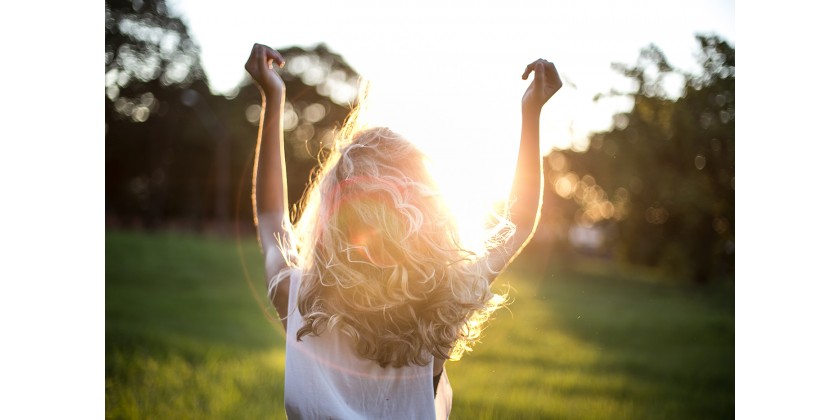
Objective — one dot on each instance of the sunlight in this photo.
(471, 137)
(472, 161)
(470, 194)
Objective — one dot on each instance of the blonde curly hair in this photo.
(381, 259)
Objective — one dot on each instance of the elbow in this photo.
(526, 227)
(527, 218)
(528, 233)
(520, 238)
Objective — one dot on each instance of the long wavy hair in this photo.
(381, 259)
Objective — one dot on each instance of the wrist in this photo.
(273, 99)
(272, 93)
(531, 110)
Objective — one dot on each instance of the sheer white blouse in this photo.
(325, 379)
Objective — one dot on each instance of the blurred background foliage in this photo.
(658, 189)
(180, 157)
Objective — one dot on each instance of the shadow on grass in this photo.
(610, 341)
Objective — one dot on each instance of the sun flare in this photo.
(471, 194)
(472, 161)
(471, 138)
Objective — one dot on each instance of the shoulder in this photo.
(282, 290)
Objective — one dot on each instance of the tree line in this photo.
(660, 184)
(177, 154)
(658, 187)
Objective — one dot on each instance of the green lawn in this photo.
(188, 337)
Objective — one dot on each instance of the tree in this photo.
(144, 42)
(664, 175)
(176, 152)
(149, 60)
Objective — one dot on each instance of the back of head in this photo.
(381, 258)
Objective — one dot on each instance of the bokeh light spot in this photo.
(607, 209)
(563, 187)
(147, 99)
(140, 113)
(700, 162)
(252, 113)
(290, 118)
(304, 132)
(620, 121)
(314, 112)
(557, 162)
(112, 92)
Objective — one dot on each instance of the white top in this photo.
(326, 379)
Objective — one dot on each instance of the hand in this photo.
(260, 66)
(546, 83)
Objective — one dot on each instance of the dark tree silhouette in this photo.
(149, 60)
(176, 152)
(664, 176)
(144, 42)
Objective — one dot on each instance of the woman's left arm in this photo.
(527, 189)
(269, 195)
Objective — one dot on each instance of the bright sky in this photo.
(447, 74)
(466, 53)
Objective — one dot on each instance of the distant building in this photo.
(588, 238)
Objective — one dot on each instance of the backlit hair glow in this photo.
(380, 256)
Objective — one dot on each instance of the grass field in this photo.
(187, 337)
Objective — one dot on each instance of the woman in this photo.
(372, 283)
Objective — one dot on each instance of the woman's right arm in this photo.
(269, 197)
(526, 191)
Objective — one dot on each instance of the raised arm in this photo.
(526, 191)
(269, 197)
